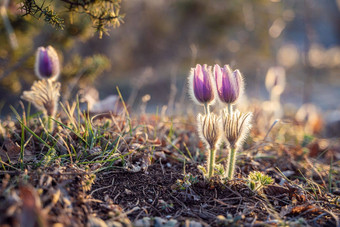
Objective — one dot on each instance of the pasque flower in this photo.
(208, 129)
(275, 84)
(200, 85)
(47, 63)
(276, 79)
(231, 126)
(235, 127)
(209, 132)
(44, 95)
(229, 83)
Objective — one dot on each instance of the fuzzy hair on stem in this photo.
(210, 134)
(208, 130)
(235, 126)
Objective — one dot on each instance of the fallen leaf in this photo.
(275, 190)
(109, 104)
(302, 208)
(11, 152)
(31, 214)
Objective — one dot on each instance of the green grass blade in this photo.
(77, 134)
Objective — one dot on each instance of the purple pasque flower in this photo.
(276, 80)
(229, 84)
(47, 63)
(201, 85)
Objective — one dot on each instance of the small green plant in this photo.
(257, 181)
(186, 182)
(88, 180)
(167, 207)
(219, 170)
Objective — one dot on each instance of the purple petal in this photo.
(47, 63)
(202, 84)
(228, 83)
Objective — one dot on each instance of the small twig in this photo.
(271, 127)
(179, 201)
(337, 223)
(4, 163)
(160, 162)
(132, 210)
(315, 170)
(98, 189)
(18, 171)
(236, 193)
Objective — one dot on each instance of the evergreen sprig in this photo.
(102, 13)
(31, 7)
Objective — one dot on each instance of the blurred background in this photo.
(150, 55)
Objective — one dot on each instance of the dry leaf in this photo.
(31, 214)
(302, 208)
(12, 152)
(275, 190)
(109, 104)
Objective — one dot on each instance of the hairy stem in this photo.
(231, 163)
(230, 108)
(206, 108)
(50, 124)
(211, 163)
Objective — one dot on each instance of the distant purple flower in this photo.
(200, 83)
(47, 63)
(276, 80)
(229, 84)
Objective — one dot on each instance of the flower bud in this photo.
(208, 129)
(200, 84)
(235, 126)
(47, 63)
(229, 84)
(44, 95)
(276, 80)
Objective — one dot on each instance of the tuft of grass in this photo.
(126, 110)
